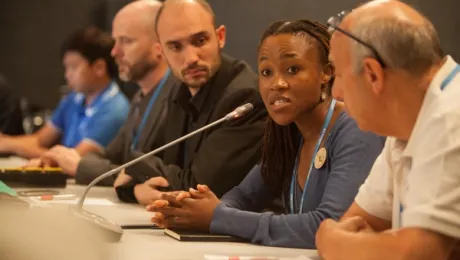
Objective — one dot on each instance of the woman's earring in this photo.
(323, 96)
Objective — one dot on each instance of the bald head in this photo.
(190, 41)
(136, 49)
(175, 6)
(140, 14)
(391, 9)
(402, 36)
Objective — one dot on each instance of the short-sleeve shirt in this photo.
(417, 183)
(98, 122)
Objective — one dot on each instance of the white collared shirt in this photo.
(422, 176)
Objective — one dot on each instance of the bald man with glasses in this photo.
(396, 81)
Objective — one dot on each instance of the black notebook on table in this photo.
(49, 177)
(187, 235)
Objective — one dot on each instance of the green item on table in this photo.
(6, 189)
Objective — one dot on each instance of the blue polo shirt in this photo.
(98, 122)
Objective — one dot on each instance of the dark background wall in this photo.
(31, 34)
(247, 19)
(32, 31)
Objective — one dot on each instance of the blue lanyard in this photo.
(137, 132)
(450, 77)
(296, 166)
(444, 84)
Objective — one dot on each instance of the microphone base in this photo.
(111, 231)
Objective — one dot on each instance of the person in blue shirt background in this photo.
(314, 158)
(89, 117)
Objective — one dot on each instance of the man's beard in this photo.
(209, 73)
(199, 81)
(139, 70)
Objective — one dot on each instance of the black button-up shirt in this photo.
(221, 156)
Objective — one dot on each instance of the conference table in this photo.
(149, 244)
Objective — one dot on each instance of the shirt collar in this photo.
(140, 97)
(192, 104)
(408, 148)
(212, 89)
(109, 91)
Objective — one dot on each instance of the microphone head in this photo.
(244, 109)
(240, 111)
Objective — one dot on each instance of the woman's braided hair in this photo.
(281, 143)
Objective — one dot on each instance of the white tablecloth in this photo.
(153, 244)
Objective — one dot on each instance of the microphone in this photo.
(113, 230)
(240, 111)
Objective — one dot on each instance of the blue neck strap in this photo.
(137, 132)
(296, 166)
(450, 77)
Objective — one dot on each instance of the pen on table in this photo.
(57, 197)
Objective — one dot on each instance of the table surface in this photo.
(153, 244)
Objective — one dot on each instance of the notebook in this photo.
(39, 177)
(186, 235)
(140, 226)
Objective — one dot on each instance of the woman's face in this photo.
(290, 75)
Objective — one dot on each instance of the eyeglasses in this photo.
(333, 25)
